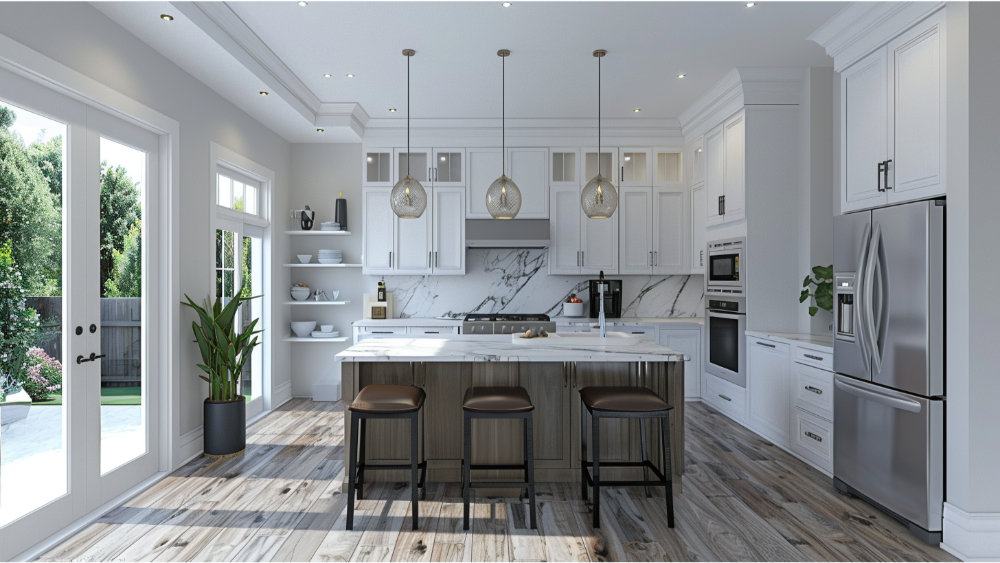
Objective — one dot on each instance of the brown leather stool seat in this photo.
(389, 399)
(497, 400)
(623, 399)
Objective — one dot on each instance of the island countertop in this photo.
(499, 348)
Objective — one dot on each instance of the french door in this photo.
(79, 422)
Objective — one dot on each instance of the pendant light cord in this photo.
(408, 155)
(599, 115)
(503, 112)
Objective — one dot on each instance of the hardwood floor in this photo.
(744, 500)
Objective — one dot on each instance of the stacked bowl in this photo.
(331, 256)
(329, 226)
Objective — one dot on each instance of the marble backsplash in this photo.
(517, 281)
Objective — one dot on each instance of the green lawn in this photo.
(109, 396)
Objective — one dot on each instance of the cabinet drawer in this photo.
(814, 357)
(645, 332)
(813, 391)
(380, 330)
(779, 347)
(432, 330)
(813, 439)
(728, 398)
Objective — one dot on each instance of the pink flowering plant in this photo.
(44, 375)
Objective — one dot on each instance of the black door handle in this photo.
(885, 172)
(93, 357)
(878, 176)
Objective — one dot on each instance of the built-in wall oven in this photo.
(725, 271)
(725, 353)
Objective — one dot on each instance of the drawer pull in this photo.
(816, 390)
(764, 344)
(811, 357)
(638, 332)
(816, 437)
(725, 397)
(383, 332)
(432, 332)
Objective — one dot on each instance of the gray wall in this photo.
(82, 38)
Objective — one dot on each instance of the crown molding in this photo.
(862, 27)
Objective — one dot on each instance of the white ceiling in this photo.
(456, 72)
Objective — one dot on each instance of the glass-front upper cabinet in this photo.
(377, 168)
(448, 168)
(565, 167)
(667, 167)
(418, 163)
(695, 162)
(608, 164)
(635, 167)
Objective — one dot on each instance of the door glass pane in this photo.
(250, 200)
(225, 191)
(634, 164)
(668, 167)
(605, 166)
(33, 438)
(252, 266)
(449, 167)
(123, 412)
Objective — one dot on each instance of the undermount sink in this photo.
(579, 339)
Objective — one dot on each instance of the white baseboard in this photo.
(326, 391)
(971, 536)
(190, 445)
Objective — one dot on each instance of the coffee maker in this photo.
(612, 298)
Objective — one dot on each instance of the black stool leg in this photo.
(352, 471)
(597, 468)
(414, 462)
(645, 454)
(668, 471)
(361, 464)
(529, 451)
(583, 450)
(423, 458)
(466, 469)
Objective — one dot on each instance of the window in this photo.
(238, 192)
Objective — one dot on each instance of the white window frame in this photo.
(234, 165)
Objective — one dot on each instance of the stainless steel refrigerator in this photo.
(888, 352)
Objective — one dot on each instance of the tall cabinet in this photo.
(725, 166)
(653, 230)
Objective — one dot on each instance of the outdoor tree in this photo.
(18, 325)
(48, 156)
(119, 211)
(7, 117)
(126, 275)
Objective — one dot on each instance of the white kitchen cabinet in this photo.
(730, 399)
(484, 166)
(812, 440)
(448, 167)
(565, 167)
(689, 342)
(528, 168)
(694, 162)
(670, 230)
(768, 375)
(448, 231)
(698, 229)
(607, 164)
(377, 232)
(565, 230)
(734, 194)
(667, 167)
(635, 167)
(413, 241)
(417, 163)
(864, 94)
(636, 235)
(715, 174)
(377, 168)
(599, 249)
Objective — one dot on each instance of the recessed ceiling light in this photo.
(303, 3)
(263, 93)
(349, 75)
(506, 4)
(751, 4)
(681, 75)
(166, 17)
(637, 110)
(318, 130)
(327, 75)
(393, 110)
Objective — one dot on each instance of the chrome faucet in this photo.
(600, 317)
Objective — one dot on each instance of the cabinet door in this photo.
(695, 162)
(635, 239)
(688, 342)
(547, 384)
(917, 112)
(377, 232)
(418, 162)
(599, 251)
(715, 173)
(864, 96)
(565, 225)
(484, 166)
(635, 167)
(448, 168)
(413, 244)
(608, 164)
(698, 229)
(377, 168)
(768, 383)
(735, 181)
(668, 167)
(528, 168)
(670, 238)
(449, 231)
(565, 167)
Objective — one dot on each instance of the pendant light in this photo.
(503, 198)
(599, 198)
(408, 198)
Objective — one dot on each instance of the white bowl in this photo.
(303, 328)
(326, 328)
(305, 258)
(572, 309)
(300, 293)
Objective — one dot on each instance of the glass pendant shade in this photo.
(503, 198)
(408, 198)
(600, 198)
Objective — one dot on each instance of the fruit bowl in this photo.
(572, 309)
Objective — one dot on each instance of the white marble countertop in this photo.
(409, 321)
(631, 320)
(499, 348)
(824, 342)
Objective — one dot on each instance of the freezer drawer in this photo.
(890, 447)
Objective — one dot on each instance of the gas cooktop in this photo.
(504, 317)
(505, 323)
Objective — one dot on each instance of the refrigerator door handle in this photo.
(869, 293)
(883, 397)
(860, 320)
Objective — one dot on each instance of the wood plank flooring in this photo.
(744, 500)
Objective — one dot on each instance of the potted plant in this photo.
(224, 353)
(822, 295)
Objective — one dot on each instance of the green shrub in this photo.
(18, 326)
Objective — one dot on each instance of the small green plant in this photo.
(224, 351)
(822, 295)
(44, 375)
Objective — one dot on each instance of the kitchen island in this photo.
(553, 375)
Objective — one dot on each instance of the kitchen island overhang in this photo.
(553, 375)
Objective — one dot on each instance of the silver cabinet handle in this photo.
(650, 258)
(583, 257)
(701, 257)
(430, 177)
(725, 397)
(437, 259)
(428, 258)
(390, 258)
(816, 437)
(816, 390)
(656, 258)
(811, 357)
(764, 344)
(432, 332)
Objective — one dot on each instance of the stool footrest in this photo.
(661, 482)
(386, 466)
(494, 466)
(498, 485)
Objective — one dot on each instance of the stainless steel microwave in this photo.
(726, 266)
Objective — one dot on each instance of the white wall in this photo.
(80, 37)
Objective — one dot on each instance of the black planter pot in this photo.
(225, 427)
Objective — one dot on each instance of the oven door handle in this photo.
(734, 316)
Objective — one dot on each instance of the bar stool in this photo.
(624, 402)
(499, 402)
(384, 402)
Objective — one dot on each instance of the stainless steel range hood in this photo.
(513, 233)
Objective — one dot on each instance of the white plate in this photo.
(321, 334)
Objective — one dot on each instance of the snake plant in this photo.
(224, 350)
